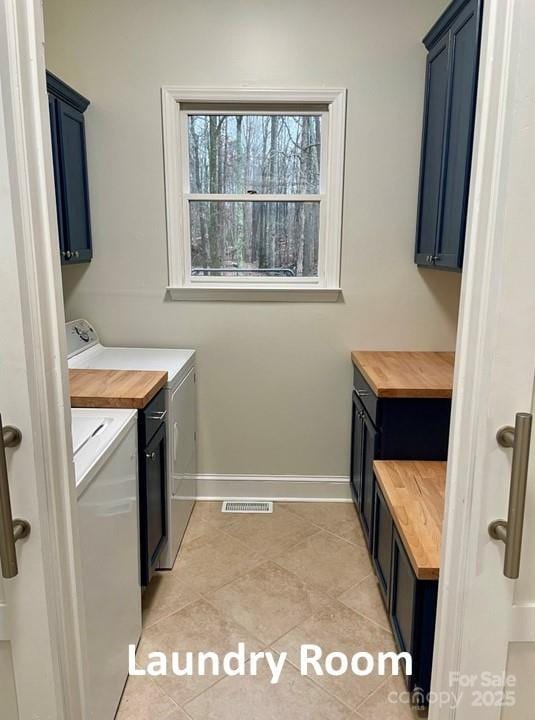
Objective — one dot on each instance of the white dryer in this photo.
(105, 461)
(86, 351)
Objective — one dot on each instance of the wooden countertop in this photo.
(115, 388)
(414, 493)
(407, 374)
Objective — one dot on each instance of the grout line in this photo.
(379, 687)
(327, 691)
(173, 612)
(361, 612)
(330, 532)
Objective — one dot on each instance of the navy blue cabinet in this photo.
(382, 544)
(364, 451)
(448, 129)
(152, 434)
(66, 108)
(412, 608)
(386, 428)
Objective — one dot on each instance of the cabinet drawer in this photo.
(365, 394)
(151, 417)
(382, 544)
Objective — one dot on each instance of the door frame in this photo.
(477, 320)
(30, 165)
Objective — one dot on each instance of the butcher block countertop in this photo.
(115, 388)
(407, 374)
(414, 493)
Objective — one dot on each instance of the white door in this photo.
(40, 653)
(485, 646)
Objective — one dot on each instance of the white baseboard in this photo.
(274, 487)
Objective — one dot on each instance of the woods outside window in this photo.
(254, 192)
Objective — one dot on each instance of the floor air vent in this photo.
(236, 506)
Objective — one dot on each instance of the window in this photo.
(254, 193)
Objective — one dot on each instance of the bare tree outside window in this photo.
(257, 155)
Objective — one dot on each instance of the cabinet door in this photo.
(74, 184)
(53, 114)
(357, 437)
(382, 543)
(432, 152)
(403, 597)
(153, 492)
(463, 52)
(369, 447)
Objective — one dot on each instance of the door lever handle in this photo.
(510, 531)
(10, 530)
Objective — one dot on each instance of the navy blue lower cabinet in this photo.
(357, 436)
(397, 428)
(382, 544)
(413, 606)
(152, 485)
(69, 156)
(369, 452)
(385, 428)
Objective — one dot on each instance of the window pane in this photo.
(236, 239)
(254, 153)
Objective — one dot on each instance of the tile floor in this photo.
(301, 574)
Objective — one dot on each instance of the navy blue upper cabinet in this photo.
(448, 129)
(66, 108)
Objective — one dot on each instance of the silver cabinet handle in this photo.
(150, 456)
(160, 415)
(10, 530)
(510, 531)
(362, 393)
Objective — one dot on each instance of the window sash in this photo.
(251, 280)
(185, 114)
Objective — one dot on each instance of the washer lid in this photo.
(83, 429)
(95, 432)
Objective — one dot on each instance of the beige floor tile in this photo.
(205, 518)
(268, 601)
(212, 560)
(328, 562)
(389, 702)
(365, 598)
(339, 518)
(293, 698)
(197, 627)
(165, 594)
(144, 700)
(340, 629)
(272, 533)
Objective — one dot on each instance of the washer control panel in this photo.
(80, 336)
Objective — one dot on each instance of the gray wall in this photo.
(275, 379)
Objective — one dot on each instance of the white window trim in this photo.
(324, 288)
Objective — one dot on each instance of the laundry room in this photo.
(243, 219)
(262, 214)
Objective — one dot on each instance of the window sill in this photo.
(254, 294)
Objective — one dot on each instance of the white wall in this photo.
(275, 379)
